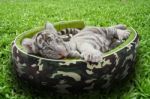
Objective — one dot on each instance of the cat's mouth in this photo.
(62, 54)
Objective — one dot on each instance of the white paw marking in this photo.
(123, 34)
(92, 55)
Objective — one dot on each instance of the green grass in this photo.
(17, 16)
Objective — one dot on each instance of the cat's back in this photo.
(89, 32)
(92, 35)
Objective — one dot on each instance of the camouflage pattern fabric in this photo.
(74, 76)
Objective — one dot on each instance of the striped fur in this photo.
(67, 33)
(89, 43)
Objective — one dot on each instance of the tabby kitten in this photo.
(89, 43)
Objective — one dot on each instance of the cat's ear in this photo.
(28, 45)
(50, 26)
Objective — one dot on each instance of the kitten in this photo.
(89, 43)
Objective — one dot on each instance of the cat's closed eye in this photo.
(49, 39)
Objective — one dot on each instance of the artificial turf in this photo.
(17, 16)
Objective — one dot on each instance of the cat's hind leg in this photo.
(122, 34)
(120, 26)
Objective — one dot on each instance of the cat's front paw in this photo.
(74, 54)
(92, 56)
(123, 34)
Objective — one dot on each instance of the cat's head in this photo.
(47, 43)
